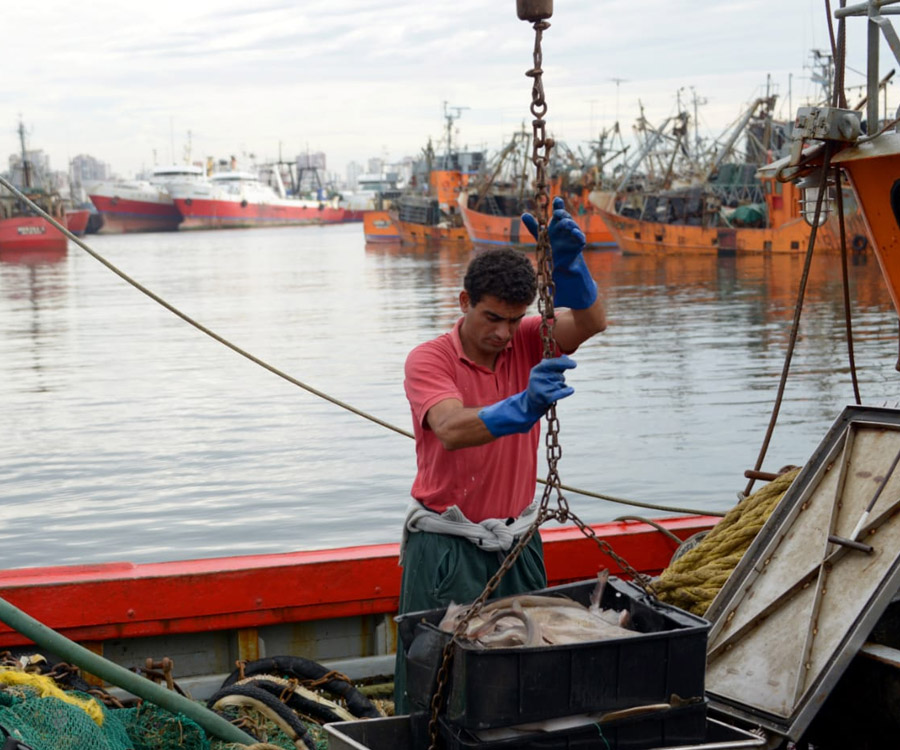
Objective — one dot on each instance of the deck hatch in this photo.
(799, 606)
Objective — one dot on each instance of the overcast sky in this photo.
(127, 81)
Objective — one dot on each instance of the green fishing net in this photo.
(51, 724)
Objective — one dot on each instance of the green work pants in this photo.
(439, 569)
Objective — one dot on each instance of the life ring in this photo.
(859, 243)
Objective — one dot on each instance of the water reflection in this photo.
(136, 437)
(33, 283)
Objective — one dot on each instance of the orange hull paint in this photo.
(378, 226)
(637, 237)
(873, 169)
(787, 234)
(488, 229)
(423, 234)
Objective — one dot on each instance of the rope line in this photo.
(289, 378)
(692, 581)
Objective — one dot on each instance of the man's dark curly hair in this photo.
(503, 273)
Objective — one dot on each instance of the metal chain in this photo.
(540, 157)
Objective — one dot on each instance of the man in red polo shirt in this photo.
(477, 395)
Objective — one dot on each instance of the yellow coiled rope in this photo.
(46, 688)
(694, 579)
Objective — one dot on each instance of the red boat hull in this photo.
(122, 216)
(77, 221)
(199, 213)
(30, 234)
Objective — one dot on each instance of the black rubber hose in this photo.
(305, 669)
(299, 703)
(267, 704)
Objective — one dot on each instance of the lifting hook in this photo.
(534, 11)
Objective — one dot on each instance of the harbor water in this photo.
(129, 435)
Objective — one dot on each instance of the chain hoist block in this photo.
(824, 124)
(534, 10)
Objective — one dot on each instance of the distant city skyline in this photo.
(134, 86)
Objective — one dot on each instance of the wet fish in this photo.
(532, 620)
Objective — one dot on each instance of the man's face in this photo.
(488, 326)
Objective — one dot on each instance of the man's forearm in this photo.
(462, 428)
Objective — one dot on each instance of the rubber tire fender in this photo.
(859, 243)
(306, 669)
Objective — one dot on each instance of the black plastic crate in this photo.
(394, 733)
(679, 726)
(503, 687)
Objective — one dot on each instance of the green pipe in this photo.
(50, 640)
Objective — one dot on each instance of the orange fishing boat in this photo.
(492, 210)
(428, 211)
(378, 226)
(501, 229)
(728, 209)
(786, 233)
(434, 217)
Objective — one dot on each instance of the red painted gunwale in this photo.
(91, 603)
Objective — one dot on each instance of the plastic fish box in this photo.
(507, 686)
(394, 733)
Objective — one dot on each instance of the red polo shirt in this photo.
(495, 480)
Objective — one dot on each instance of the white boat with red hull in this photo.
(142, 205)
(241, 199)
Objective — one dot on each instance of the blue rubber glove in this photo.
(575, 288)
(518, 413)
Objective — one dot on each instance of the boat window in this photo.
(895, 201)
(778, 188)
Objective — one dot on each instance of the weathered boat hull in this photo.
(124, 216)
(199, 213)
(637, 237)
(378, 226)
(490, 230)
(424, 234)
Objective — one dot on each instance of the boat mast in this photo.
(26, 166)
(450, 117)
